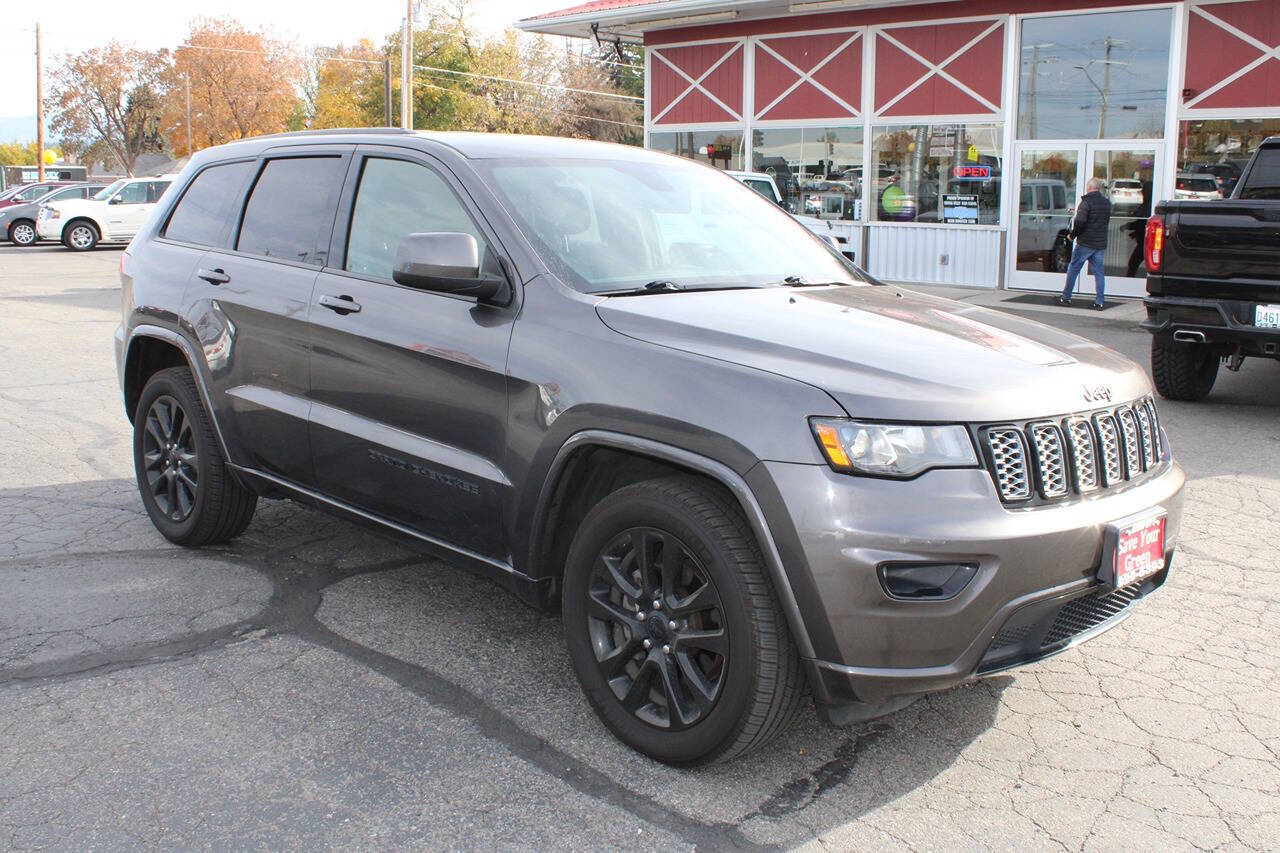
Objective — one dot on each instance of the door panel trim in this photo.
(270, 398)
(408, 443)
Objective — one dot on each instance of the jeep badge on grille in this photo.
(1097, 393)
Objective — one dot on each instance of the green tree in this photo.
(18, 153)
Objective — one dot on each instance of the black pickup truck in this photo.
(1213, 280)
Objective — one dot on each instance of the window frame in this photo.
(340, 151)
(162, 233)
(337, 257)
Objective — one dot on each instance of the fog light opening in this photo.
(925, 581)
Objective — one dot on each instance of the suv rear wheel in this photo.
(186, 487)
(673, 627)
(1182, 371)
(22, 233)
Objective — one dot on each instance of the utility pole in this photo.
(39, 111)
(1106, 91)
(386, 93)
(406, 70)
(189, 151)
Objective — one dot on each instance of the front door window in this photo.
(1047, 191)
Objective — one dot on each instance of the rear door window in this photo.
(204, 214)
(290, 211)
(155, 189)
(397, 197)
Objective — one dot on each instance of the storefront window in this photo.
(719, 148)
(1095, 76)
(818, 170)
(937, 173)
(1217, 151)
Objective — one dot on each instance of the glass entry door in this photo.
(1051, 180)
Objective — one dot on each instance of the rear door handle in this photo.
(214, 276)
(341, 304)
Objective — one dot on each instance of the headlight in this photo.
(892, 450)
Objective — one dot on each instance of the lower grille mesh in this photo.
(1081, 614)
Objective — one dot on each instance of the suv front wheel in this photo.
(81, 236)
(673, 627)
(186, 486)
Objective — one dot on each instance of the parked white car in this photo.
(112, 216)
(824, 228)
(1196, 186)
(1126, 193)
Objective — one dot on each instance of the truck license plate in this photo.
(1266, 316)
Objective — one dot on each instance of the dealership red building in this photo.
(949, 140)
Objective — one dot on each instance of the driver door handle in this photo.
(214, 276)
(341, 304)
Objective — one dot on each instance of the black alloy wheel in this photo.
(188, 490)
(672, 625)
(170, 459)
(657, 628)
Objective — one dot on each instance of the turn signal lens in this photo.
(1154, 243)
(831, 445)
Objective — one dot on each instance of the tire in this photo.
(81, 236)
(729, 701)
(1182, 371)
(187, 489)
(23, 233)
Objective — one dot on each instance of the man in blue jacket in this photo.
(1089, 230)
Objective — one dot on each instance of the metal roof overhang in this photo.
(629, 23)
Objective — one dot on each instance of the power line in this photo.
(531, 83)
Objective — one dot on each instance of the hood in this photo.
(889, 353)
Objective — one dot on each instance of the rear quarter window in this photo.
(205, 212)
(1263, 180)
(290, 211)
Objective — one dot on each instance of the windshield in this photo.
(615, 225)
(110, 190)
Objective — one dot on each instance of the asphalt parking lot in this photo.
(315, 685)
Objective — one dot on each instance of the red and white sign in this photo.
(1139, 550)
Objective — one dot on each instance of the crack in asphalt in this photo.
(802, 791)
(297, 593)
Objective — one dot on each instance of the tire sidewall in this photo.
(163, 384)
(719, 728)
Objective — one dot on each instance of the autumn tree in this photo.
(108, 100)
(344, 87)
(18, 153)
(243, 83)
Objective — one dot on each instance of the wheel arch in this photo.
(8, 233)
(77, 219)
(593, 463)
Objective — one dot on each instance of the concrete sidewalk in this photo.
(1120, 309)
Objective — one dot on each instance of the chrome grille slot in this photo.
(1051, 462)
(1132, 442)
(1009, 457)
(1148, 436)
(1112, 468)
(1150, 405)
(1084, 458)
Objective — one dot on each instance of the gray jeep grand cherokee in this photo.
(625, 386)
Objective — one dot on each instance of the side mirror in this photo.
(449, 262)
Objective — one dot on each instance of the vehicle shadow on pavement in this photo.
(94, 591)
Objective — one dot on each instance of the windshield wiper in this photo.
(663, 285)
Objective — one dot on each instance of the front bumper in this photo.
(871, 648)
(49, 229)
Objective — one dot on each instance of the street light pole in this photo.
(39, 112)
(406, 70)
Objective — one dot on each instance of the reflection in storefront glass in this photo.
(939, 173)
(1046, 202)
(719, 148)
(1217, 149)
(1095, 76)
(818, 170)
(1127, 182)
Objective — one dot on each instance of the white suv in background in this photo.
(112, 216)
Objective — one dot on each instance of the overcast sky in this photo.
(74, 25)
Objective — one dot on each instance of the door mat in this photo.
(1051, 299)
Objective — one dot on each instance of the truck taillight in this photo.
(1154, 244)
